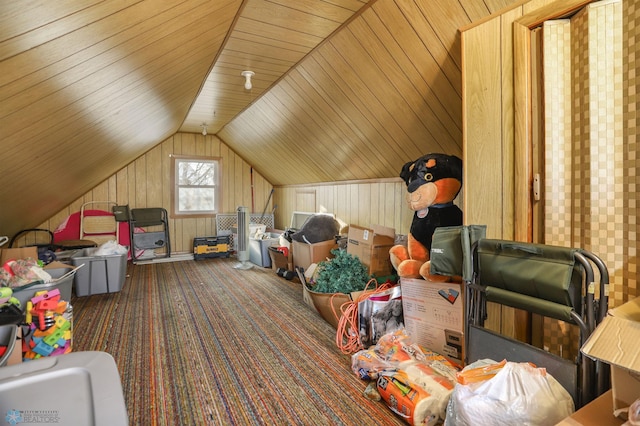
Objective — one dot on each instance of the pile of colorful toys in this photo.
(50, 325)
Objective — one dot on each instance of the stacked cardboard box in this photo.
(371, 246)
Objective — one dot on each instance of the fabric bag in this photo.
(451, 249)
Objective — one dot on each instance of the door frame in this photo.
(524, 108)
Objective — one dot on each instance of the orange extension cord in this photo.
(348, 334)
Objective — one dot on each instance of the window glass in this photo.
(196, 185)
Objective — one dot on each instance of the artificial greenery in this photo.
(344, 273)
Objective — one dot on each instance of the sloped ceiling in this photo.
(343, 89)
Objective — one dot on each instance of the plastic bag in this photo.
(633, 414)
(110, 248)
(22, 272)
(414, 383)
(379, 314)
(519, 394)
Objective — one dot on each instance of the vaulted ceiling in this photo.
(346, 89)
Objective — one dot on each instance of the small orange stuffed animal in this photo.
(433, 182)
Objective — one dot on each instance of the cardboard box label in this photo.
(434, 315)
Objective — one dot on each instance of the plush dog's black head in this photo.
(430, 168)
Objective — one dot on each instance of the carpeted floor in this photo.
(203, 343)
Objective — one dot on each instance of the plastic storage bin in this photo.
(259, 249)
(80, 388)
(100, 274)
(64, 285)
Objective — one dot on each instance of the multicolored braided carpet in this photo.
(203, 343)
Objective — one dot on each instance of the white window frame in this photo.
(175, 193)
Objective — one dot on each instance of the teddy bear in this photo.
(433, 182)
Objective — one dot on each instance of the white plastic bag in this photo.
(519, 394)
(110, 248)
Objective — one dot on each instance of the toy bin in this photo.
(99, 273)
(259, 249)
(62, 281)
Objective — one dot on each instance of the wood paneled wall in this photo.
(488, 141)
(490, 124)
(364, 203)
(146, 182)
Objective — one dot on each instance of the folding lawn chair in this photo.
(555, 282)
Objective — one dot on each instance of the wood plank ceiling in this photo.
(343, 89)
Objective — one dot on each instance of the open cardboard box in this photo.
(371, 246)
(615, 342)
(8, 254)
(305, 254)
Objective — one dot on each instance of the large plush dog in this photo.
(433, 182)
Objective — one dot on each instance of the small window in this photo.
(196, 185)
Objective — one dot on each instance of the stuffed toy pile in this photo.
(433, 182)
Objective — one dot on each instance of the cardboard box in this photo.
(434, 316)
(305, 254)
(371, 246)
(615, 342)
(596, 413)
(8, 254)
(279, 260)
(328, 303)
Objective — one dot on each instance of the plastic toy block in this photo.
(62, 323)
(62, 306)
(47, 305)
(43, 349)
(53, 338)
(67, 335)
(28, 318)
(45, 295)
(63, 349)
(44, 333)
(61, 342)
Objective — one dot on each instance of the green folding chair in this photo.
(552, 281)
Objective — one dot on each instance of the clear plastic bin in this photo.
(259, 249)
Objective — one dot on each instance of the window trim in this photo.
(174, 186)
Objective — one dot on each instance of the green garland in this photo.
(342, 274)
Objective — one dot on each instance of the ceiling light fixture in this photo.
(247, 79)
(204, 129)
